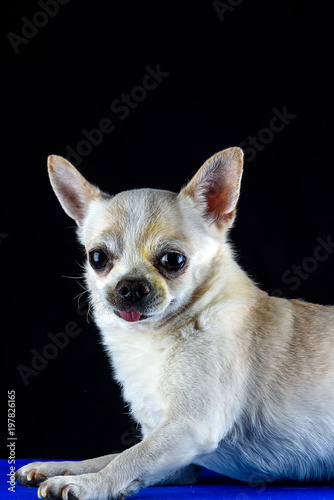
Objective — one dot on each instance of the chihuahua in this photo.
(216, 372)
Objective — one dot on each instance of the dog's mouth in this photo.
(131, 316)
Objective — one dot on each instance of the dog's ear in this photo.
(72, 190)
(215, 188)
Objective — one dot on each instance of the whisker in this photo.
(80, 295)
(80, 264)
(71, 277)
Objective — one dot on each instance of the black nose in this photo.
(133, 290)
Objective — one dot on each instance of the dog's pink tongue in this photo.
(130, 315)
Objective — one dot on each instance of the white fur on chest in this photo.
(138, 359)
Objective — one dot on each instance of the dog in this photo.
(216, 372)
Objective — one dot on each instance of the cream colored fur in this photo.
(216, 372)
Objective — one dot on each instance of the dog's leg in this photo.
(172, 446)
(36, 472)
(186, 475)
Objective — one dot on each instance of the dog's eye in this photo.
(98, 259)
(173, 261)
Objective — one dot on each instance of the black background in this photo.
(225, 78)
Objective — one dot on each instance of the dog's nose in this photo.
(133, 290)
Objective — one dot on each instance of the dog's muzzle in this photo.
(132, 297)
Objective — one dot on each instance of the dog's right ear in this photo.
(73, 191)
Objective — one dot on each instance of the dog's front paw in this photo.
(35, 473)
(85, 487)
(30, 474)
(61, 488)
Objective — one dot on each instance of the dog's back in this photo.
(285, 429)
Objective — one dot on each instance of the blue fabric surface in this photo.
(210, 486)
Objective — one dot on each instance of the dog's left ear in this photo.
(215, 188)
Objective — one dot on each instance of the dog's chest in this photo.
(138, 361)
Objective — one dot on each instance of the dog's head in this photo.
(151, 252)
